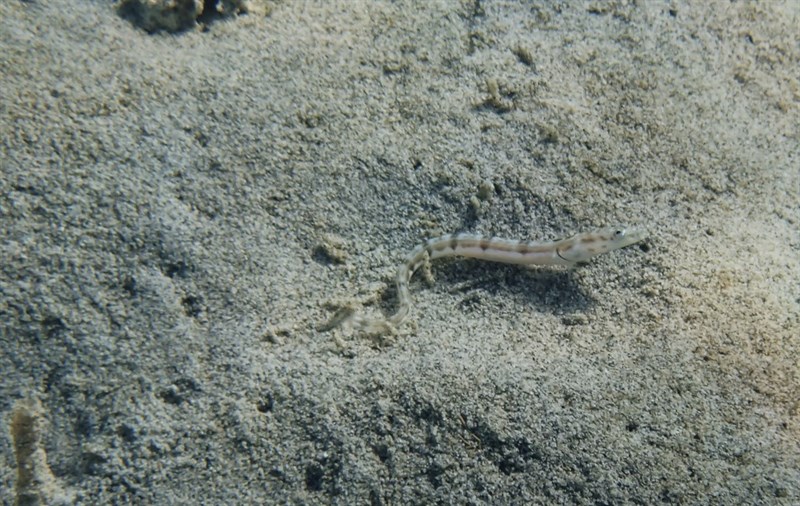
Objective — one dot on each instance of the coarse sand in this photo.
(180, 214)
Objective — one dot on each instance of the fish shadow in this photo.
(544, 289)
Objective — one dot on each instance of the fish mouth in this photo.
(631, 236)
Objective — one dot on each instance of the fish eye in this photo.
(619, 234)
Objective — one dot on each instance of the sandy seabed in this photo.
(180, 214)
